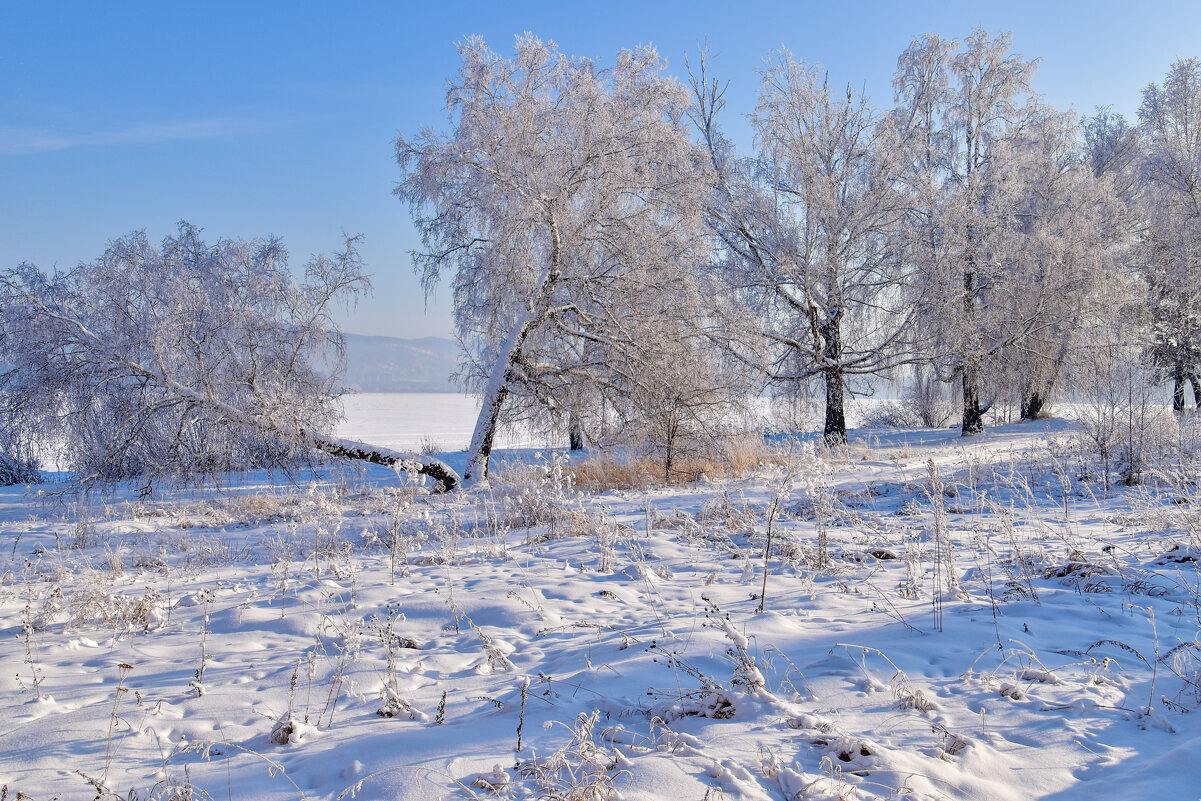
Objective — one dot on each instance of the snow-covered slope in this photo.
(1000, 629)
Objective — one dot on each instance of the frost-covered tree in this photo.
(807, 226)
(1115, 387)
(1068, 227)
(1004, 222)
(1112, 148)
(182, 360)
(682, 397)
(563, 205)
(1170, 132)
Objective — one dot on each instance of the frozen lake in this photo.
(407, 421)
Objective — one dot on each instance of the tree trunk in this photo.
(1178, 388)
(1037, 393)
(973, 415)
(503, 370)
(485, 425)
(1196, 390)
(577, 440)
(836, 421)
(1032, 404)
(671, 432)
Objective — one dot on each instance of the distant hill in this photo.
(389, 364)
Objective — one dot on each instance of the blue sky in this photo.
(256, 118)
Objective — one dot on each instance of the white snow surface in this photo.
(408, 421)
(617, 635)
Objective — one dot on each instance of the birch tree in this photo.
(1113, 151)
(968, 104)
(807, 228)
(561, 205)
(1068, 224)
(183, 360)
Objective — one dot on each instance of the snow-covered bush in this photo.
(893, 414)
(1122, 416)
(533, 494)
(18, 462)
(929, 400)
(925, 401)
(17, 470)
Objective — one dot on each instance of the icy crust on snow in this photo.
(313, 643)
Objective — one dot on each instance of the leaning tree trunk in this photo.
(505, 368)
(504, 371)
(495, 393)
(417, 463)
(344, 448)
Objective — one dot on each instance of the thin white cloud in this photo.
(15, 141)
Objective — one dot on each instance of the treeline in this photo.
(617, 262)
(621, 271)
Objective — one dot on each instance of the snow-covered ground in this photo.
(997, 628)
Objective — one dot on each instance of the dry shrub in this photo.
(287, 503)
(741, 455)
(608, 471)
(580, 523)
(726, 457)
(240, 509)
